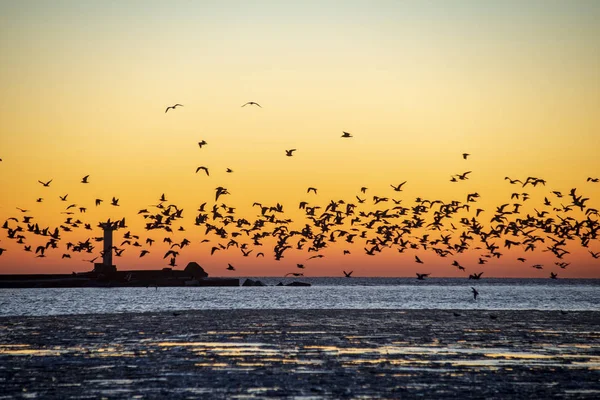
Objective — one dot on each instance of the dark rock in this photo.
(250, 282)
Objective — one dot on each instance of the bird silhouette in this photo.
(475, 293)
(399, 187)
(465, 155)
(422, 276)
(203, 169)
(230, 267)
(252, 103)
(289, 152)
(418, 260)
(173, 107)
(202, 143)
(114, 202)
(312, 189)
(346, 135)
(348, 274)
(46, 184)
(85, 179)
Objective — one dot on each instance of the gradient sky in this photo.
(85, 83)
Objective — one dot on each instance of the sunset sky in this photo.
(84, 86)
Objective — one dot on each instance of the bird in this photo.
(289, 152)
(173, 107)
(202, 143)
(553, 275)
(465, 155)
(418, 260)
(252, 103)
(98, 202)
(422, 276)
(346, 135)
(593, 180)
(64, 198)
(230, 267)
(85, 179)
(229, 170)
(348, 274)
(114, 202)
(143, 253)
(399, 187)
(203, 169)
(45, 184)
(296, 274)
(312, 189)
(475, 293)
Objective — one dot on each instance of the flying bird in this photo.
(465, 155)
(85, 179)
(289, 152)
(173, 107)
(114, 202)
(45, 184)
(346, 135)
(312, 189)
(203, 169)
(399, 187)
(348, 274)
(230, 267)
(418, 260)
(475, 293)
(252, 103)
(202, 143)
(422, 276)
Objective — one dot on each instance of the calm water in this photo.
(326, 293)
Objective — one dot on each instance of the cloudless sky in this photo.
(84, 86)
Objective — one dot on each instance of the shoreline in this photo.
(320, 353)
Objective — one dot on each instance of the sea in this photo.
(325, 293)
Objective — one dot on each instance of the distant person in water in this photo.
(475, 293)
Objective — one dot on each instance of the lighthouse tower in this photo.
(106, 266)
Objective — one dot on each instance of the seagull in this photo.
(85, 179)
(348, 274)
(399, 187)
(98, 202)
(204, 169)
(422, 276)
(418, 260)
(312, 189)
(289, 152)
(252, 103)
(173, 107)
(465, 155)
(64, 198)
(230, 267)
(202, 143)
(475, 293)
(46, 184)
(114, 202)
(346, 135)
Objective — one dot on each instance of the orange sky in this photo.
(85, 84)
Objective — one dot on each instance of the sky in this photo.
(85, 85)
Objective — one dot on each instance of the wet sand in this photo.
(302, 354)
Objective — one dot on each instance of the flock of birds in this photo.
(382, 223)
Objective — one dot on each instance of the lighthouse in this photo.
(106, 266)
